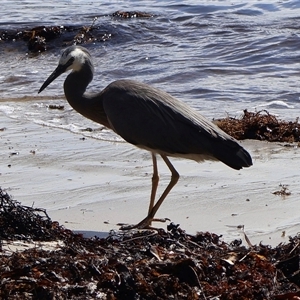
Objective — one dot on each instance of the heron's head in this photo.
(73, 58)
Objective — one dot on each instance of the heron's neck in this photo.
(89, 106)
(76, 84)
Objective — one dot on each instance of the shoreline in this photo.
(89, 185)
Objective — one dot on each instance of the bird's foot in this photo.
(144, 224)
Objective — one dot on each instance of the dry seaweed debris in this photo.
(261, 125)
(284, 191)
(145, 265)
(18, 222)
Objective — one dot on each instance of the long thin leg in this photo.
(155, 179)
(154, 208)
(172, 183)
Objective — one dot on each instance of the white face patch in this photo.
(79, 58)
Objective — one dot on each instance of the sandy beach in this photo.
(98, 184)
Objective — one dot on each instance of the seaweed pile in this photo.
(131, 14)
(146, 264)
(40, 38)
(262, 126)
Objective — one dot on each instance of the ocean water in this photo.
(218, 56)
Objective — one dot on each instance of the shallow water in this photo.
(220, 57)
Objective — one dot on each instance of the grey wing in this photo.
(150, 118)
(143, 118)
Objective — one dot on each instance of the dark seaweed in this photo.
(147, 264)
(262, 126)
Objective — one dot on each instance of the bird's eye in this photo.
(71, 60)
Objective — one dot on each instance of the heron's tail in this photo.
(234, 156)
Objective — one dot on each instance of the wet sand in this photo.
(90, 185)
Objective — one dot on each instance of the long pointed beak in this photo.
(57, 72)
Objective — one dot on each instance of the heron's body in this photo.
(147, 118)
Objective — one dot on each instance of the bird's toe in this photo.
(144, 224)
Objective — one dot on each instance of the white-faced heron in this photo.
(148, 118)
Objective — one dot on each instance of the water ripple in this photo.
(218, 56)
